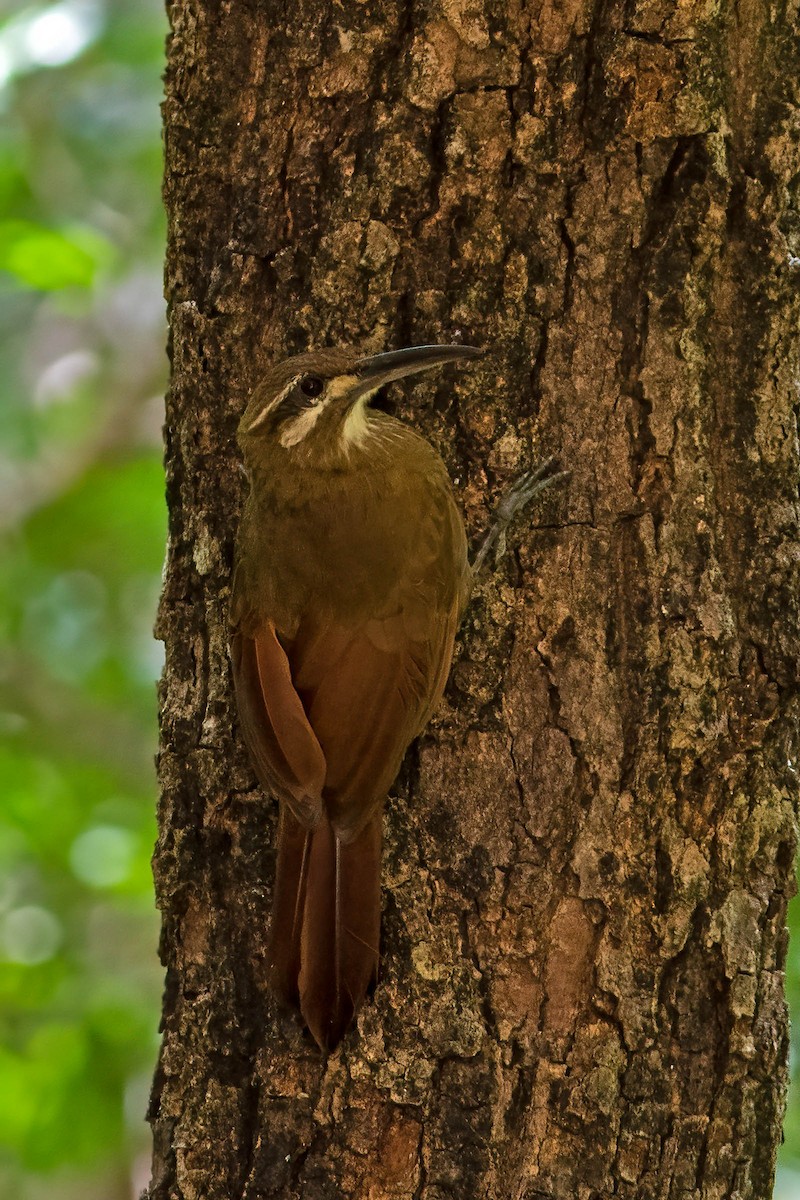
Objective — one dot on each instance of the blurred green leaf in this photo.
(51, 259)
(112, 522)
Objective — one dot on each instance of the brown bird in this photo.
(351, 576)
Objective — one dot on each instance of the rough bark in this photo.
(589, 853)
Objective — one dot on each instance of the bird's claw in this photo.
(529, 484)
(518, 496)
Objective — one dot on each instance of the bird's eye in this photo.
(311, 386)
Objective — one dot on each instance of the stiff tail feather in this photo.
(294, 845)
(326, 923)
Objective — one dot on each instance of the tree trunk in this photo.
(589, 853)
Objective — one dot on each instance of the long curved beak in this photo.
(378, 369)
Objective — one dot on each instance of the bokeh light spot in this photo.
(30, 935)
(103, 855)
(59, 34)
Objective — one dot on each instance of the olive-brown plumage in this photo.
(350, 579)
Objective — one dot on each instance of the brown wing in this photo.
(365, 706)
(284, 748)
(369, 687)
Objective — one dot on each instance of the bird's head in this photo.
(317, 400)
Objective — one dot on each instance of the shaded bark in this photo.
(589, 853)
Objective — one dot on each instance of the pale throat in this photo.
(356, 425)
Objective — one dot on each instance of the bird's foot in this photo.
(529, 485)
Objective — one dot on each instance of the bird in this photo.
(351, 574)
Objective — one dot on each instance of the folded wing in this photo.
(284, 748)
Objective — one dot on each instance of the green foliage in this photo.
(82, 515)
(49, 259)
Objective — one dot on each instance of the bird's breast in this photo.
(352, 542)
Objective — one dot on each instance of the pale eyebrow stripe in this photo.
(279, 399)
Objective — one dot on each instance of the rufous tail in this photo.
(325, 923)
